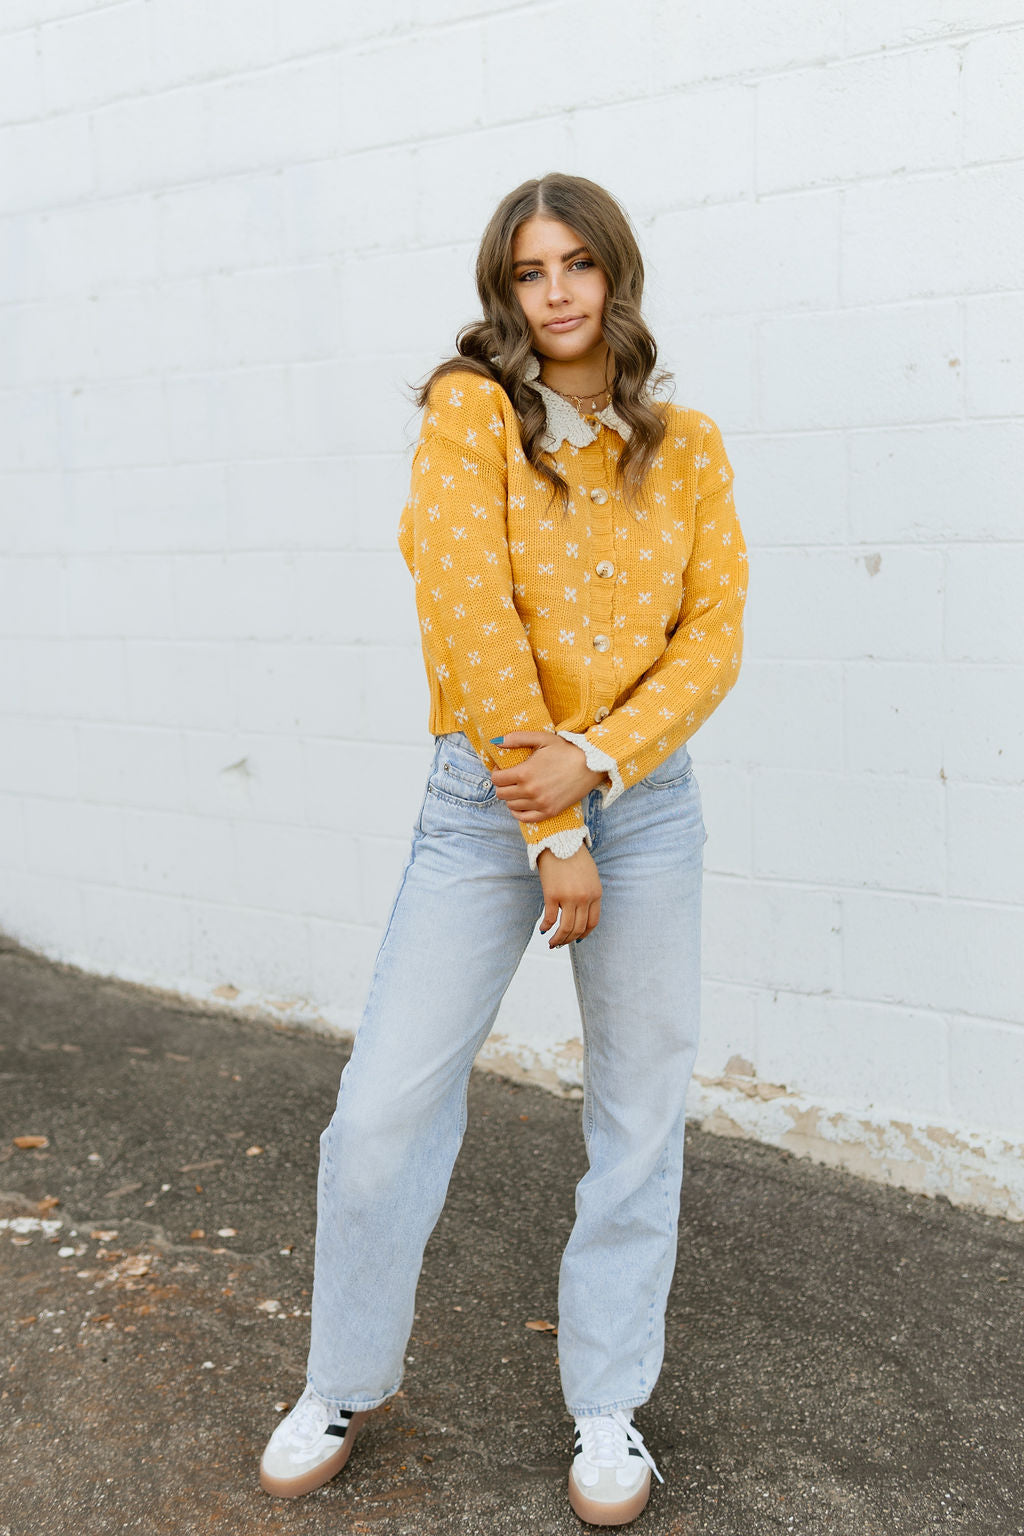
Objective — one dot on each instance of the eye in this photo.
(582, 262)
(525, 276)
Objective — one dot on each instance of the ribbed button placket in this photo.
(602, 594)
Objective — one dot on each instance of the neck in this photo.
(584, 377)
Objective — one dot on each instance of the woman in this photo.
(580, 582)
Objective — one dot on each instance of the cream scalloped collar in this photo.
(565, 424)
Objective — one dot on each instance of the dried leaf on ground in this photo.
(253, 1151)
(539, 1325)
(27, 1143)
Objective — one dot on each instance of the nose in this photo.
(557, 290)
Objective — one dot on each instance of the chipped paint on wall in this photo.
(559, 1069)
(968, 1167)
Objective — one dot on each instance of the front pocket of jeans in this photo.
(456, 779)
(670, 774)
(675, 783)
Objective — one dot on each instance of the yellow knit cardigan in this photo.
(618, 627)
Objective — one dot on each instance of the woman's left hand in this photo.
(553, 777)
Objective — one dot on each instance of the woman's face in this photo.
(561, 290)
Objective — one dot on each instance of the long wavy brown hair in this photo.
(499, 346)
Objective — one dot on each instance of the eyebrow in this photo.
(535, 262)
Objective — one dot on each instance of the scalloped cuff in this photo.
(562, 844)
(598, 762)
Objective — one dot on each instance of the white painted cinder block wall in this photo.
(230, 232)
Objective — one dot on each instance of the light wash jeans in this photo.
(465, 910)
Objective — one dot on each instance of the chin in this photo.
(568, 348)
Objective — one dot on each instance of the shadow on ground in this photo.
(843, 1359)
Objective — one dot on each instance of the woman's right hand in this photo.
(573, 887)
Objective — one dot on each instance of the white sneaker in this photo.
(308, 1447)
(610, 1477)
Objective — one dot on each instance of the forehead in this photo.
(542, 238)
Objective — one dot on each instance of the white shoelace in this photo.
(606, 1440)
(307, 1422)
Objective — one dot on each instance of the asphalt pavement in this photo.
(843, 1359)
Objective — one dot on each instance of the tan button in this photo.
(599, 494)
(601, 714)
(605, 568)
(602, 643)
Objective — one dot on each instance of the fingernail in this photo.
(496, 741)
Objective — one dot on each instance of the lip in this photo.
(564, 323)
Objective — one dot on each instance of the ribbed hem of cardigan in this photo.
(562, 844)
(599, 762)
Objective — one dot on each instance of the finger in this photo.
(507, 791)
(524, 739)
(593, 916)
(550, 914)
(569, 928)
(528, 806)
(556, 938)
(515, 789)
(518, 799)
(505, 778)
(588, 916)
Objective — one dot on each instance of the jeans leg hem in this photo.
(623, 1405)
(354, 1404)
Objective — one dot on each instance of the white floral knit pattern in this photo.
(621, 626)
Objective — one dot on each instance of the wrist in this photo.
(603, 766)
(592, 777)
(550, 855)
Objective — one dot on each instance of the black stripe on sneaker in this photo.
(635, 1451)
(340, 1428)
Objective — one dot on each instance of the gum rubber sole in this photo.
(295, 1487)
(601, 1511)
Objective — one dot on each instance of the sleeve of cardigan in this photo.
(701, 661)
(453, 537)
